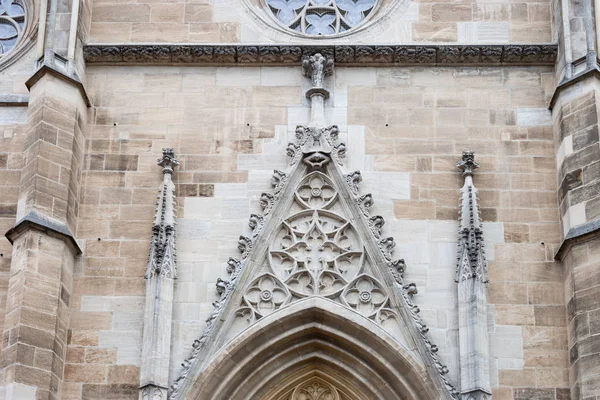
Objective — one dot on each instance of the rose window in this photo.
(321, 17)
(12, 23)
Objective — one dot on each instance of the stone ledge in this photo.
(580, 234)
(593, 72)
(347, 55)
(14, 100)
(70, 78)
(35, 220)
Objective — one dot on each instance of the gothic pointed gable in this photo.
(317, 238)
(316, 248)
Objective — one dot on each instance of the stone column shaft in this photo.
(44, 249)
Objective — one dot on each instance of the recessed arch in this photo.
(314, 334)
(338, 386)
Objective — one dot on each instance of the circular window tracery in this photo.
(12, 24)
(321, 17)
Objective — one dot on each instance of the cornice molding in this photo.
(14, 100)
(50, 226)
(344, 55)
(578, 235)
(588, 73)
(71, 78)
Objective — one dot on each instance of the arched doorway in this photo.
(315, 347)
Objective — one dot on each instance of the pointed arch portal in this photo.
(313, 347)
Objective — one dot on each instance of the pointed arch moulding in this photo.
(343, 55)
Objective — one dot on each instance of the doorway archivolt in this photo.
(314, 348)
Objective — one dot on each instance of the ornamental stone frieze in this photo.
(343, 55)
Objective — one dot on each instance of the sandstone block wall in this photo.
(236, 21)
(11, 161)
(579, 161)
(576, 133)
(582, 278)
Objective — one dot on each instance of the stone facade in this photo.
(89, 104)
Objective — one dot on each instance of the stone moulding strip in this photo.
(346, 55)
(14, 100)
(35, 220)
(595, 72)
(578, 235)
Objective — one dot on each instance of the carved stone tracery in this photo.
(315, 389)
(321, 17)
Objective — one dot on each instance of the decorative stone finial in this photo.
(162, 251)
(467, 165)
(471, 262)
(316, 68)
(168, 160)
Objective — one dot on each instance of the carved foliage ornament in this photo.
(321, 17)
(514, 54)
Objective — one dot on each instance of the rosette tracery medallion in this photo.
(12, 23)
(316, 251)
(321, 17)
